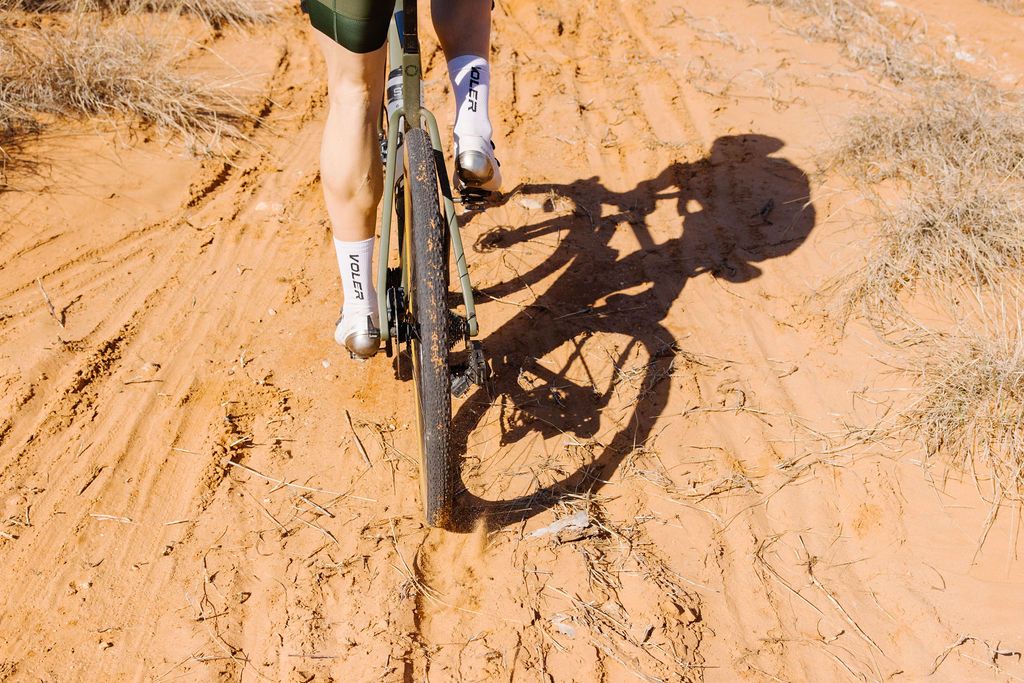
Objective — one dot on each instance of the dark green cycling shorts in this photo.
(357, 25)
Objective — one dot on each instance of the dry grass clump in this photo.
(15, 123)
(884, 38)
(942, 169)
(215, 12)
(1014, 7)
(945, 130)
(955, 156)
(971, 406)
(959, 230)
(108, 72)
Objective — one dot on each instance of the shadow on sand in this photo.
(738, 206)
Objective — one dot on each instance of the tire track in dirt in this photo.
(128, 252)
(772, 358)
(461, 602)
(309, 599)
(138, 301)
(219, 520)
(175, 311)
(727, 200)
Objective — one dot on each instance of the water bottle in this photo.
(393, 92)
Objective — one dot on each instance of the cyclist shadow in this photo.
(739, 207)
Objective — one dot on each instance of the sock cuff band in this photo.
(460, 66)
(354, 245)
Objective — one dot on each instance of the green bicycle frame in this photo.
(407, 53)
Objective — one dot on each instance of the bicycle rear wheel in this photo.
(427, 286)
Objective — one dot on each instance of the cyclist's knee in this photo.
(353, 109)
(354, 81)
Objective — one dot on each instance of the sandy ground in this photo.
(660, 363)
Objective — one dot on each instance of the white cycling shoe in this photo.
(360, 334)
(476, 168)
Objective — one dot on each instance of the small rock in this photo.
(642, 633)
(559, 621)
(572, 534)
(578, 520)
(271, 207)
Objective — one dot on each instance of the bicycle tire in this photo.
(427, 288)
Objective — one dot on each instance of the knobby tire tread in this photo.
(429, 300)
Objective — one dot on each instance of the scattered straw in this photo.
(358, 441)
(888, 40)
(88, 69)
(216, 12)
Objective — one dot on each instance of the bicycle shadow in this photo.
(739, 206)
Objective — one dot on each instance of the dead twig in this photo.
(945, 653)
(835, 603)
(111, 518)
(281, 482)
(49, 304)
(359, 444)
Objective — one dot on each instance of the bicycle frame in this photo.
(404, 49)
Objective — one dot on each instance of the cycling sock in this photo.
(355, 261)
(471, 81)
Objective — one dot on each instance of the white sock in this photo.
(471, 81)
(355, 262)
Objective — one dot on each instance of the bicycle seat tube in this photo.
(411, 69)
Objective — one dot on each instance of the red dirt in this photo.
(644, 298)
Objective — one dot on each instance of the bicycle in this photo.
(414, 294)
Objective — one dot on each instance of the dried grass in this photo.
(888, 40)
(953, 157)
(965, 127)
(942, 169)
(110, 72)
(15, 128)
(215, 12)
(971, 406)
(948, 233)
(1014, 7)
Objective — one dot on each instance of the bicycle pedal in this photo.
(474, 371)
(460, 384)
(476, 198)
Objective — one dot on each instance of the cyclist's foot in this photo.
(476, 169)
(359, 333)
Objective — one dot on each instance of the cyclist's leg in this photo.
(350, 173)
(463, 26)
(350, 168)
(464, 29)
